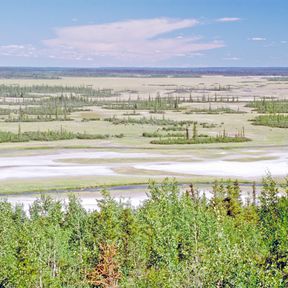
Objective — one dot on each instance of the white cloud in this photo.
(26, 50)
(131, 42)
(232, 58)
(228, 19)
(145, 42)
(257, 39)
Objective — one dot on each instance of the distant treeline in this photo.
(54, 73)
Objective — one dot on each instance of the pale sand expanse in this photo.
(225, 165)
(246, 87)
(233, 169)
(41, 166)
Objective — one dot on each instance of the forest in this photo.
(174, 239)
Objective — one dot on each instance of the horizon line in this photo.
(147, 67)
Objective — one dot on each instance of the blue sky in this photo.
(155, 33)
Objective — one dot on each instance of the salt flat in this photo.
(40, 166)
(243, 165)
(223, 168)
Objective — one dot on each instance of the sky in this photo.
(144, 33)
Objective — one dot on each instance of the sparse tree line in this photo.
(18, 91)
(270, 106)
(49, 109)
(274, 112)
(174, 239)
(164, 103)
(157, 122)
(50, 135)
(47, 103)
(274, 120)
(192, 136)
(217, 110)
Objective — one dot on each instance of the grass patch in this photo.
(157, 122)
(49, 135)
(220, 110)
(272, 120)
(157, 134)
(201, 140)
(269, 106)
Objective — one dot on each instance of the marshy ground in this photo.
(114, 151)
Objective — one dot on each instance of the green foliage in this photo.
(174, 239)
(156, 134)
(273, 214)
(201, 140)
(47, 103)
(173, 125)
(271, 120)
(146, 121)
(269, 106)
(49, 135)
(218, 110)
(155, 105)
(40, 90)
(5, 111)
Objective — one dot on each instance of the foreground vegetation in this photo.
(173, 240)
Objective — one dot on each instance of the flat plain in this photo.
(126, 130)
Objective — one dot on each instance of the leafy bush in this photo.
(174, 239)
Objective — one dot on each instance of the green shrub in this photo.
(174, 239)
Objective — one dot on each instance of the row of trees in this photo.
(271, 120)
(18, 91)
(49, 135)
(269, 106)
(56, 108)
(158, 104)
(175, 239)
